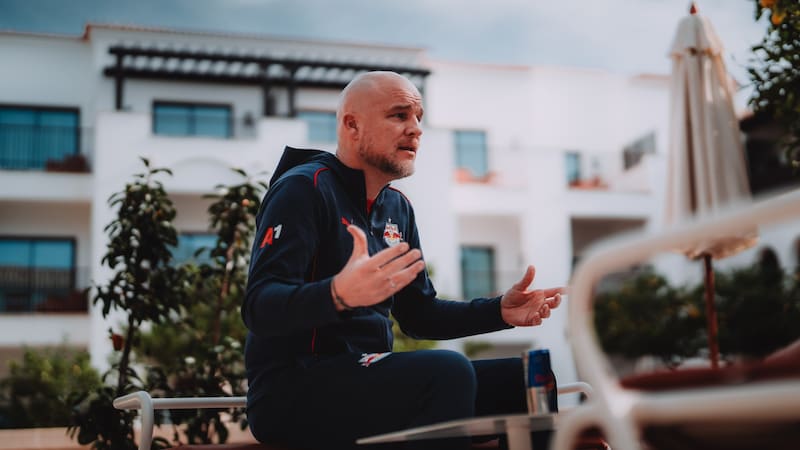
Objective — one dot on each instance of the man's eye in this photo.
(401, 116)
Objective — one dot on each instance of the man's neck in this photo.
(374, 180)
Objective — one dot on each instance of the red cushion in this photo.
(706, 376)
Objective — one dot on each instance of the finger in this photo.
(536, 319)
(359, 241)
(554, 302)
(384, 256)
(544, 311)
(551, 292)
(404, 277)
(401, 262)
(526, 280)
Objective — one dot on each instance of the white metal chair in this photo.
(622, 413)
(147, 406)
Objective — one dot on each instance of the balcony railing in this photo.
(607, 171)
(44, 147)
(33, 289)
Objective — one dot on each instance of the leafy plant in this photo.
(36, 392)
(775, 72)
(146, 288)
(200, 351)
(758, 311)
(649, 317)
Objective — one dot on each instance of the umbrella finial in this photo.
(693, 8)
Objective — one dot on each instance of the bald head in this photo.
(366, 85)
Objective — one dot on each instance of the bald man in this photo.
(337, 249)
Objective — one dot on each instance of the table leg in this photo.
(519, 437)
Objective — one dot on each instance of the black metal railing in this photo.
(35, 289)
(43, 147)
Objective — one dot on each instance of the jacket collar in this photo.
(351, 179)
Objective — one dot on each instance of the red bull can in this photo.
(542, 393)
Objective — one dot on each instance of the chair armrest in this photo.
(578, 386)
(142, 401)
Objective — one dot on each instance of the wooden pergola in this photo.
(267, 72)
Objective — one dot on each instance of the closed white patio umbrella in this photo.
(706, 156)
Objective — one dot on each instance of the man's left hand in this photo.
(523, 307)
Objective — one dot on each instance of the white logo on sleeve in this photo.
(368, 359)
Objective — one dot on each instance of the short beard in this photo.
(384, 164)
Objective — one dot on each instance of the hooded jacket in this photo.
(302, 242)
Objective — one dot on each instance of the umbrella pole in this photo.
(711, 312)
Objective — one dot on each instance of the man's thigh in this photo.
(349, 396)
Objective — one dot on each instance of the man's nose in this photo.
(415, 129)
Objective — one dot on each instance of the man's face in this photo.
(391, 129)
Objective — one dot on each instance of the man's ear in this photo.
(350, 123)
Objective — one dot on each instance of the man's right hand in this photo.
(367, 280)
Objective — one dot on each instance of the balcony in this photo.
(44, 148)
(42, 290)
(607, 171)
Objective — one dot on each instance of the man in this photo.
(336, 251)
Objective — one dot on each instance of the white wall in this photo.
(37, 186)
(45, 330)
(428, 190)
(47, 71)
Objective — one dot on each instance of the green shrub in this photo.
(36, 392)
(758, 311)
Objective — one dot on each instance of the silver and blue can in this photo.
(541, 382)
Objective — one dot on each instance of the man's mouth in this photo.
(408, 148)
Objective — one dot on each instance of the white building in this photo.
(518, 164)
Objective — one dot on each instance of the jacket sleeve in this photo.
(282, 298)
(423, 316)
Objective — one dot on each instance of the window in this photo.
(31, 136)
(471, 153)
(477, 272)
(187, 119)
(190, 243)
(32, 270)
(572, 161)
(321, 125)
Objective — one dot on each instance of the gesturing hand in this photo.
(522, 307)
(366, 280)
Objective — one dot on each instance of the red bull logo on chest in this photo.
(391, 234)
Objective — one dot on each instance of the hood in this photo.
(293, 157)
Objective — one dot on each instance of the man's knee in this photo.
(451, 370)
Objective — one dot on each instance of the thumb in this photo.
(359, 242)
(526, 280)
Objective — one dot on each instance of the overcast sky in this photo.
(627, 36)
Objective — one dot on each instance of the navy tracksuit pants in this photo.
(333, 401)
